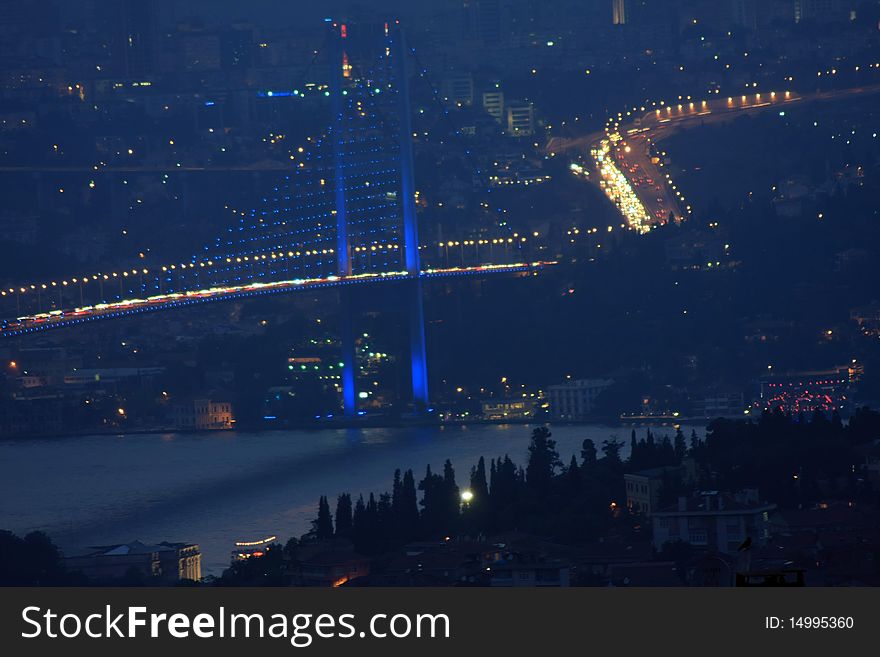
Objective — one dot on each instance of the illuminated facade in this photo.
(509, 409)
(166, 563)
(493, 103)
(574, 400)
(520, 119)
(618, 12)
(202, 415)
(807, 392)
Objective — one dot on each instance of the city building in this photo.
(520, 119)
(30, 415)
(485, 20)
(493, 103)
(459, 90)
(164, 563)
(329, 563)
(719, 403)
(202, 415)
(516, 573)
(134, 36)
(715, 521)
(618, 12)
(824, 11)
(643, 488)
(806, 392)
(868, 318)
(111, 376)
(695, 250)
(575, 400)
(509, 409)
(50, 364)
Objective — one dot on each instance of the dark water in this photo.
(216, 488)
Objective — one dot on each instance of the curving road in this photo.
(634, 178)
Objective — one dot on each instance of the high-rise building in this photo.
(744, 13)
(823, 10)
(237, 47)
(133, 26)
(484, 20)
(493, 103)
(642, 12)
(459, 89)
(520, 119)
(618, 12)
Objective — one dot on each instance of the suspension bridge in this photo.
(344, 216)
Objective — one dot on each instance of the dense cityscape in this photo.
(526, 293)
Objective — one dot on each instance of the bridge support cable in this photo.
(337, 136)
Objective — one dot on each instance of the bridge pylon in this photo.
(396, 51)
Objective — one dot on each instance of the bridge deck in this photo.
(128, 307)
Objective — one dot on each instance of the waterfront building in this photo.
(509, 409)
(202, 415)
(164, 563)
(574, 400)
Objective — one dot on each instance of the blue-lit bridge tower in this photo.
(374, 181)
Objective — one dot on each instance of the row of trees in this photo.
(33, 560)
(581, 500)
(495, 497)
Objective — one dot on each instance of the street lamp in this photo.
(466, 497)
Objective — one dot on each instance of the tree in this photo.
(573, 476)
(588, 452)
(396, 504)
(322, 526)
(543, 461)
(680, 446)
(344, 516)
(475, 515)
(291, 550)
(451, 498)
(611, 450)
(30, 561)
(267, 570)
(696, 443)
(432, 516)
(479, 486)
(409, 508)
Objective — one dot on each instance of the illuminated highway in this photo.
(63, 318)
(634, 178)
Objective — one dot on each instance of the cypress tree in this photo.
(479, 486)
(409, 508)
(322, 526)
(543, 461)
(680, 446)
(344, 517)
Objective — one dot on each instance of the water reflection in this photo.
(217, 488)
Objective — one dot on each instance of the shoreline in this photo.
(366, 424)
